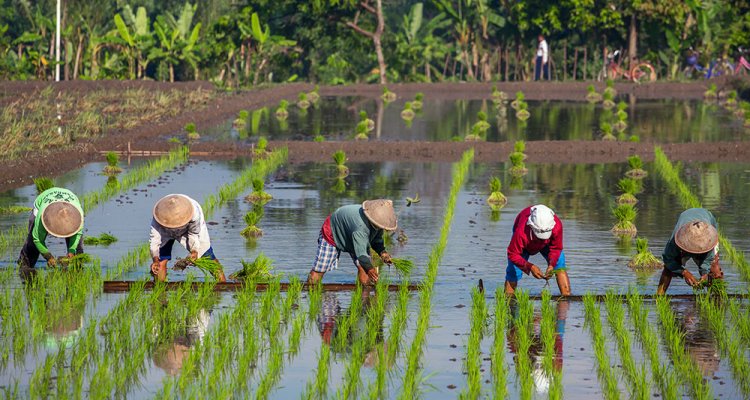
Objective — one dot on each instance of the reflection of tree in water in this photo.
(699, 341)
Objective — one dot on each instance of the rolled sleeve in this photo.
(194, 235)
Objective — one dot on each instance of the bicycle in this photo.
(743, 65)
(640, 72)
(715, 68)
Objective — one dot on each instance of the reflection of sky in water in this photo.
(336, 118)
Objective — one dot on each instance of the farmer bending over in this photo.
(536, 230)
(695, 236)
(56, 212)
(178, 217)
(354, 229)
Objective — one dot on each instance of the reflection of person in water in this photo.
(63, 328)
(699, 340)
(170, 355)
(536, 350)
(329, 319)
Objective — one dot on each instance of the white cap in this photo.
(541, 220)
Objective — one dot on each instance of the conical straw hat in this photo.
(173, 211)
(62, 219)
(380, 213)
(696, 237)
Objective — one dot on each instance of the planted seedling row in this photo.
(549, 336)
(473, 362)
(523, 326)
(499, 368)
(607, 378)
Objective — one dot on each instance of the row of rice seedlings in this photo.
(607, 378)
(639, 384)
(713, 309)
(410, 382)
(473, 362)
(524, 335)
(664, 376)
(7, 210)
(105, 239)
(671, 175)
(549, 337)
(364, 342)
(675, 341)
(517, 157)
(499, 368)
(740, 319)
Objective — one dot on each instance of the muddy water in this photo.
(674, 121)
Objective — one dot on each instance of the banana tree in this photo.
(266, 45)
(167, 50)
(135, 31)
(416, 43)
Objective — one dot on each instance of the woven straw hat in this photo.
(380, 213)
(697, 237)
(173, 211)
(62, 219)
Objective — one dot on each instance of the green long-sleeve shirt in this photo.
(674, 257)
(354, 234)
(49, 196)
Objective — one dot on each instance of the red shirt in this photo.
(523, 239)
(327, 232)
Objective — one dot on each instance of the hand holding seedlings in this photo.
(386, 257)
(536, 272)
(689, 278)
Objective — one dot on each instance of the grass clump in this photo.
(43, 183)
(407, 113)
(625, 214)
(112, 160)
(258, 195)
(496, 196)
(644, 259)
(252, 218)
(192, 133)
(105, 239)
(257, 271)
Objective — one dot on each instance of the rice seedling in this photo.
(361, 132)
(522, 113)
(498, 96)
(644, 259)
(496, 196)
(625, 214)
(518, 167)
(474, 135)
(260, 270)
(261, 147)
(608, 99)
(319, 138)
(14, 210)
(638, 383)
(629, 188)
(192, 134)
(607, 378)
(241, 121)
(364, 119)
(499, 368)
(281, 111)
(684, 365)
(482, 125)
(339, 157)
(105, 239)
(711, 93)
(43, 183)
(606, 129)
(407, 113)
(387, 95)
(258, 195)
(636, 170)
(403, 266)
(591, 95)
(731, 101)
(473, 362)
(112, 160)
(252, 218)
(519, 99)
(302, 101)
(314, 95)
(549, 356)
(416, 104)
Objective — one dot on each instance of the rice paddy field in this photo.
(430, 334)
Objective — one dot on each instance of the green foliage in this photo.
(362, 115)
(105, 239)
(243, 114)
(43, 183)
(644, 259)
(628, 185)
(520, 96)
(590, 89)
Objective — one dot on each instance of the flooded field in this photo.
(63, 337)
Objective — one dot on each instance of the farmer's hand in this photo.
(548, 273)
(155, 267)
(193, 255)
(373, 274)
(716, 272)
(52, 261)
(689, 278)
(535, 272)
(386, 257)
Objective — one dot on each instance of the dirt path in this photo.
(15, 173)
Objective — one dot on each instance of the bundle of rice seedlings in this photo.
(407, 113)
(43, 183)
(205, 264)
(339, 157)
(518, 167)
(112, 160)
(319, 138)
(496, 197)
(711, 93)
(482, 124)
(519, 146)
(257, 271)
(606, 128)
(261, 147)
(629, 187)
(716, 287)
(281, 111)
(241, 121)
(192, 134)
(644, 258)
(522, 112)
(609, 99)
(314, 95)
(302, 101)
(369, 123)
(340, 186)
(403, 266)
(387, 95)
(591, 95)
(519, 98)
(498, 95)
(258, 195)
(416, 104)
(77, 261)
(475, 135)
(636, 168)
(105, 239)
(361, 132)
(610, 88)
(251, 219)
(625, 214)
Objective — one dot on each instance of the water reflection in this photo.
(172, 348)
(699, 340)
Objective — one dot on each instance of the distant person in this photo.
(542, 59)
(178, 217)
(354, 229)
(536, 230)
(57, 212)
(695, 236)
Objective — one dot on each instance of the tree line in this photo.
(250, 42)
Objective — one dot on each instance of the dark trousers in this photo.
(542, 69)
(30, 254)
